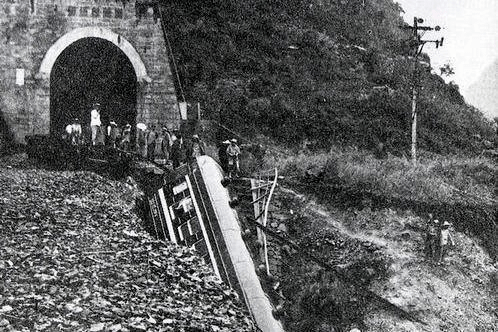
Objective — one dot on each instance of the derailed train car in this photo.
(190, 207)
(180, 211)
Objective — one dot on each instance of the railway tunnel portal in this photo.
(61, 56)
(92, 70)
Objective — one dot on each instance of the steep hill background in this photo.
(334, 72)
(483, 93)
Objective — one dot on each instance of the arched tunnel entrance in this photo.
(92, 70)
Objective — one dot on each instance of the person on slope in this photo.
(233, 152)
(197, 148)
(431, 238)
(445, 240)
(178, 151)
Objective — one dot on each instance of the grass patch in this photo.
(435, 179)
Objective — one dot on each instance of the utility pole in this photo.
(418, 45)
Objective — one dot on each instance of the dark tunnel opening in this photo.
(92, 70)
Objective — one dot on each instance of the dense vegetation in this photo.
(330, 71)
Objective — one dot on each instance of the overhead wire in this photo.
(170, 51)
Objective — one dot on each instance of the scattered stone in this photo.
(86, 258)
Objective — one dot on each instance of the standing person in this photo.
(68, 130)
(431, 237)
(95, 122)
(233, 152)
(126, 137)
(197, 148)
(161, 146)
(168, 140)
(151, 142)
(76, 132)
(445, 240)
(178, 153)
(141, 140)
(222, 155)
(113, 134)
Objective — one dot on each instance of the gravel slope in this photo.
(74, 257)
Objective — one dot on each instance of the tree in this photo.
(447, 70)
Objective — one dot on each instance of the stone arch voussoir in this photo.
(96, 32)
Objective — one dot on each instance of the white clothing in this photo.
(69, 129)
(95, 118)
(76, 129)
(446, 237)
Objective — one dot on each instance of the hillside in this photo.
(384, 249)
(367, 218)
(483, 93)
(332, 72)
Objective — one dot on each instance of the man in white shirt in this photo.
(95, 122)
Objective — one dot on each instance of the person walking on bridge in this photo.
(233, 152)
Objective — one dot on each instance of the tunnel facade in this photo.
(59, 57)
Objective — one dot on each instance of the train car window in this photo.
(179, 188)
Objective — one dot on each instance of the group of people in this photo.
(153, 142)
(438, 239)
(112, 135)
(228, 155)
(161, 145)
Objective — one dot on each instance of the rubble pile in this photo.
(74, 257)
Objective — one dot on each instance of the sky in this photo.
(470, 31)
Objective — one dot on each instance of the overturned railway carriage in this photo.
(191, 207)
(180, 212)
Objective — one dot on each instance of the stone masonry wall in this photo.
(28, 29)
